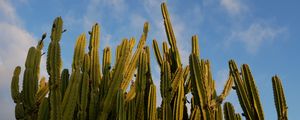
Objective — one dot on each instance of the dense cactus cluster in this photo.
(89, 92)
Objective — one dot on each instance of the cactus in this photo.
(175, 57)
(84, 88)
(42, 91)
(229, 113)
(116, 80)
(54, 64)
(73, 90)
(247, 92)
(151, 108)
(44, 109)
(94, 72)
(64, 81)
(279, 98)
(133, 62)
(89, 92)
(15, 93)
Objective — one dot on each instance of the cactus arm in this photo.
(71, 95)
(64, 81)
(54, 68)
(116, 81)
(106, 66)
(279, 98)
(15, 94)
(94, 56)
(72, 92)
(133, 62)
(195, 46)
(165, 88)
(179, 102)
(229, 113)
(157, 52)
(152, 103)
(44, 110)
(30, 81)
(252, 91)
(176, 81)
(198, 85)
(20, 111)
(219, 113)
(79, 52)
(120, 108)
(84, 88)
(43, 90)
(241, 90)
(141, 86)
(237, 117)
(170, 35)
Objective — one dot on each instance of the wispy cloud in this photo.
(233, 7)
(14, 44)
(8, 13)
(257, 34)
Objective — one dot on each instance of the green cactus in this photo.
(15, 93)
(94, 73)
(229, 113)
(116, 81)
(120, 109)
(175, 57)
(54, 64)
(89, 92)
(151, 108)
(84, 88)
(72, 92)
(132, 66)
(64, 81)
(279, 98)
(247, 92)
(44, 110)
(42, 91)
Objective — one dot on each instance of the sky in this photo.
(261, 33)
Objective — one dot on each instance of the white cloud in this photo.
(256, 35)
(233, 7)
(14, 44)
(8, 12)
(12, 53)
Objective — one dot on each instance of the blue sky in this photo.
(261, 33)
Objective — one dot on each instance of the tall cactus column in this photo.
(94, 72)
(54, 64)
(279, 98)
(247, 92)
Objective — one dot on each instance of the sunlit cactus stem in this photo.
(279, 99)
(247, 92)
